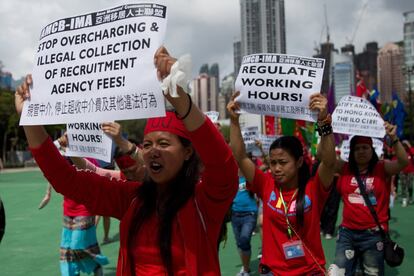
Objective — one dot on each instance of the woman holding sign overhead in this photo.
(359, 236)
(170, 222)
(292, 201)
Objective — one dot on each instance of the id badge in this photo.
(293, 249)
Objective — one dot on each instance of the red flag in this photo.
(361, 89)
(269, 125)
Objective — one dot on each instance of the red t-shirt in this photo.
(146, 252)
(410, 167)
(275, 233)
(356, 214)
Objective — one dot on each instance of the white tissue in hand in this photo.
(180, 75)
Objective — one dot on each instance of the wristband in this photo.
(324, 130)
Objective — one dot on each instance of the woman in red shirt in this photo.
(292, 201)
(170, 222)
(359, 237)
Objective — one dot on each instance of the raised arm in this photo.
(395, 166)
(236, 141)
(326, 147)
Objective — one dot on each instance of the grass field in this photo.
(30, 246)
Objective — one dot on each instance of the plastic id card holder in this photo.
(293, 249)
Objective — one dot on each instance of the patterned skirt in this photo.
(79, 249)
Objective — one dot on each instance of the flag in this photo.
(331, 99)
(398, 114)
(374, 99)
(270, 125)
(288, 126)
(361, 89)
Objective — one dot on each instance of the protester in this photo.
(243, 221)
(171, 221)
(359, 239)
(292, 201)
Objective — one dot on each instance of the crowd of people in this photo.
(174, 190)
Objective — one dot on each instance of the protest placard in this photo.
(213, 115)
(279, 85)
(357, 116)
(88, 140)
(266, 140)
(249, 135)
(345, 148)
(98, 66)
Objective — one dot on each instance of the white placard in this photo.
(98, 66)
(279, 85)
(249, 135)
(345, 148)
(213, 115)
(357, 116)
(88, 140)
(267, 141)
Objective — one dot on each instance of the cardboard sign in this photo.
(249, 135)
(88, 140)
(98, 66)
(279, 85)
(357, 116)
(267, 141)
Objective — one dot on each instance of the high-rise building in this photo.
(326, 52)
(203, 69)
(366, 65)
(237, 57)
(204, 92)
(409, 44)
(262, 26)
(390, 73)
(343, 75)
(6, 80)
(227, 89)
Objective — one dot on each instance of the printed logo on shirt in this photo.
(275, 203)
(356, 197)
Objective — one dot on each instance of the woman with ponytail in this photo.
(292, 200)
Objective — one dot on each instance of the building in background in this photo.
(366, 65)
(390, 72)
(204, 92)
(237, 57)
(343, 75)
(326, 52)
(6, 80)
(409, 43)
(227, 89)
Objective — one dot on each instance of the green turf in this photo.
(31, 242)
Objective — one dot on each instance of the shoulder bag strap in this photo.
(363, 192)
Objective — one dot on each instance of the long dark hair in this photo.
(294, 147)
(178, 192)
(353, 166)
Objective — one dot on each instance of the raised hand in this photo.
(22, 93)
(233, 107)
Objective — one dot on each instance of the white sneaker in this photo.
(404, 202)
(328, 237)
(243, 273)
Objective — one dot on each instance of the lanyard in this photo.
(286, 207)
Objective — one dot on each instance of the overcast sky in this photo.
(207, 28)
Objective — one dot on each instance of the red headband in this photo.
(363, 140)
(125, 161)
(169, 123)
